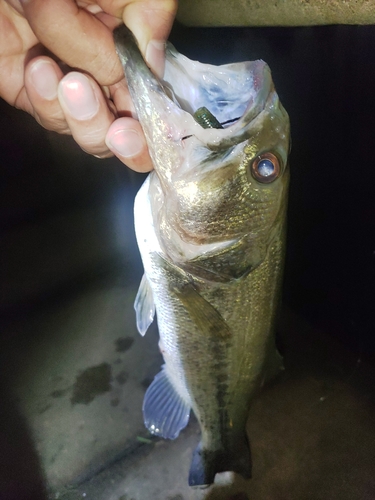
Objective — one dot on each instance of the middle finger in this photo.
(42, 76)
(86, 111)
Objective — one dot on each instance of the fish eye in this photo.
(265, 168)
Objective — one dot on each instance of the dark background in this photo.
(325, 77)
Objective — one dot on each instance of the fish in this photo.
(210, 223)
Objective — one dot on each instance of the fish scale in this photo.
(210, 228)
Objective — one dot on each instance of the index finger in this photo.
(76, 36)
(83, 41)
(151, 22)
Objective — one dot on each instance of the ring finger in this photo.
(42, 76)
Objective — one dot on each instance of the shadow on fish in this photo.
(210, 226)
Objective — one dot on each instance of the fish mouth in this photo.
(235, 94)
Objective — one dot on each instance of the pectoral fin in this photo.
(144, 306)
(208, 320)
(165, 413)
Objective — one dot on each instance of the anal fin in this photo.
(165, 413)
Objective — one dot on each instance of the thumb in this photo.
(151, 22)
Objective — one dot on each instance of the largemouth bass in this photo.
(210, 225)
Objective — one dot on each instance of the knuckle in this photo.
(101, 155)
(52, 121)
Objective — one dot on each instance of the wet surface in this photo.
(92, 382)
(122, 377)
(59, 393)
(123, 344)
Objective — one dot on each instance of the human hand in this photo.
(92, 104)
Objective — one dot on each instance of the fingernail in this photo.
(126, 143)
(78, 96)
(155, 57)
(44, 79)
